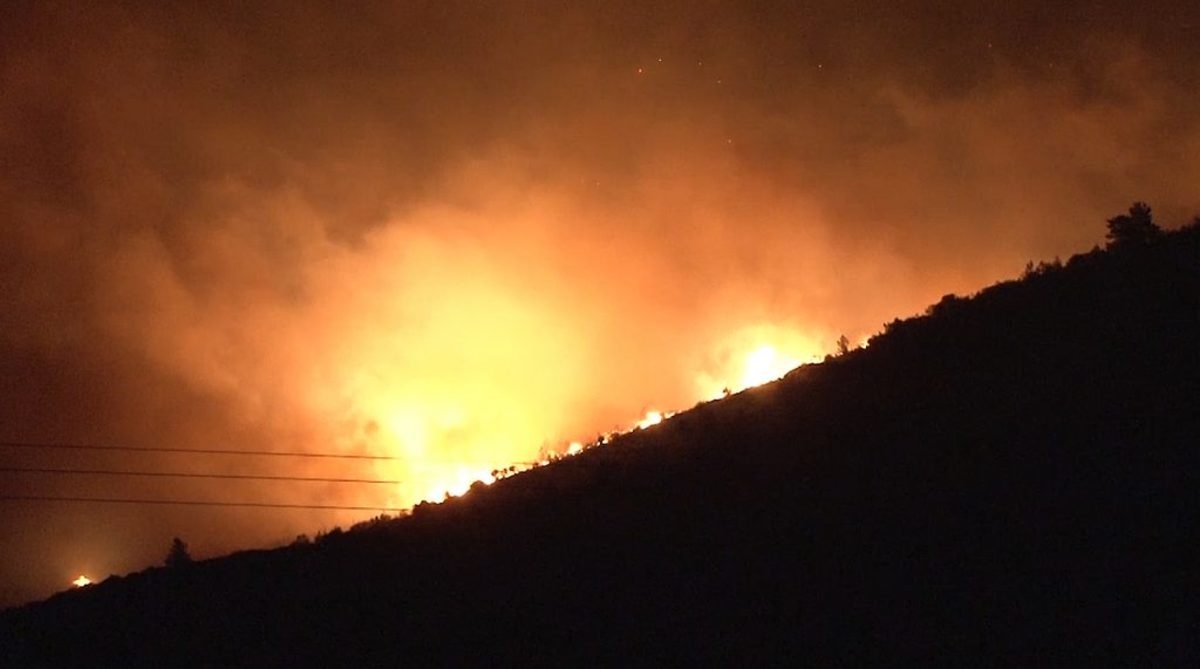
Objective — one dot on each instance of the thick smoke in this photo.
(460, 234)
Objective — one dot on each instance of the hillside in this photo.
(1012, 477)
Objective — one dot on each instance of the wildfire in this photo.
(81, 581)
(754, 356)
(459, 483)
(428, 426)
(765, 364)
(652, 418)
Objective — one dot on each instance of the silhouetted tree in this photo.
(1136, 228)
(178, 556)
(843, 345)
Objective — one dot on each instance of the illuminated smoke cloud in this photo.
(471, 235)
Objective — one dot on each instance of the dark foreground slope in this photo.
(1013, 477)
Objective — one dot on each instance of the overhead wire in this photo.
(200, 451)
(64, 471)
(186, 502)
(195, 475)
(34, 445)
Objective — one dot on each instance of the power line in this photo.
(193, 475)
(202, 451)
(185, 502)
(219, 451)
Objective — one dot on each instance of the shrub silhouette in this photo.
(178, 556)
(1136, 228)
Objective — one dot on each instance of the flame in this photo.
(765, 364)
(81, 581)
(460, 381)
(451, 436)
(756, 355)
(458, 482)
(455, 380)
(652, 418)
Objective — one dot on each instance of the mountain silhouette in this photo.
(1011, 477)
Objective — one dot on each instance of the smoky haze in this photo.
(461, 234)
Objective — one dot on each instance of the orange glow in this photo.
(460, 361)
(472, 259)
(753, 365)
(757, 355)
(457, 483)
(418, 432)
(453, 362)
(652, 418)
(81, 581)
(457, 432)
(765, 364)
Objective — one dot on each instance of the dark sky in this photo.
(459, 233)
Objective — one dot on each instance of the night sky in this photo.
(465, 234)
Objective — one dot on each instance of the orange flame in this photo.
(754, 356)
(652, 418)
(442, 423)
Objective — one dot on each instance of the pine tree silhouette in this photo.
(1136, 228)
(178, 556)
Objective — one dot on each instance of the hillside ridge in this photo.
(1011, 475)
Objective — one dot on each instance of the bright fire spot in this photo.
(652, 418)
(765, 364)
(448, 433)
(81, 581)
(752, 357)
(460, 482)
(755, 356)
